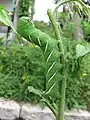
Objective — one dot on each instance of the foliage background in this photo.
(22, 66)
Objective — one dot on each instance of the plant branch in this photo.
(50, 106)
(81, 2)
(62, 90)
(63, 3)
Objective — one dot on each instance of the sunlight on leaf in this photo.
(82, 50)
(5, 18)
(34, 91)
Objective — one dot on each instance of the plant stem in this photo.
(62, 90)
(50, 106)
(62, 100)
(57, 33)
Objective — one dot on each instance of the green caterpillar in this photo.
(49, 48)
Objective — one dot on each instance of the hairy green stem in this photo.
(57, 33)
(62, 90)
(53, 22)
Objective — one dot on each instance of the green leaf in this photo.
(82, 50)
(35, 91)
(5, 18)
